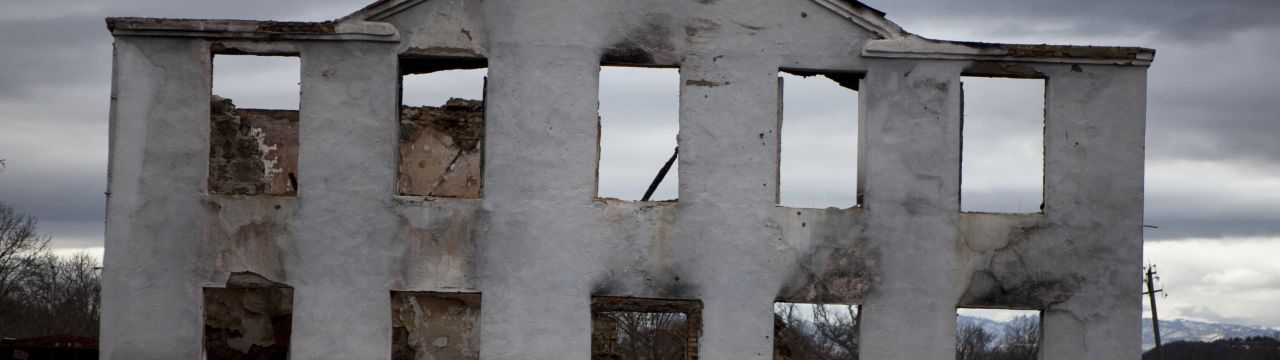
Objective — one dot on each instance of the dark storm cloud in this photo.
(64, 51)
(1212, 91)
(55, 74)
(1218, 101)
(1212, 94)
(1175, 20)
(1212, 226)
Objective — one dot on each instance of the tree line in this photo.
(1250, 348)
(820, 332)
(42, 294)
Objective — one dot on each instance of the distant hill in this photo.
(1187, 330)
(1170, 330)
(1255, 348)
(997, 329)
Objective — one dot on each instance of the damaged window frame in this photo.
(1039, 332)
(471, 300)
(1008, 71)
(691, 309)
(238, 286)
(851, 80)
(623, 58)
(424, 66)
(779, 324)
(215, 183)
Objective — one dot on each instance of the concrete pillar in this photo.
(1094, 151)
(728, 183)
(540, 164)
(911, 168)
(151, 296)
(344, 226)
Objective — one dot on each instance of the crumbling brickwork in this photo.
(252, 151)
(250, 319)
(435, 326)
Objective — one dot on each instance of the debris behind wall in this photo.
(440, 149)
(250, 319)
(637, 328)
(252, 151)
(435, 326)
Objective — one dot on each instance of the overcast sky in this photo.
(1213, 145)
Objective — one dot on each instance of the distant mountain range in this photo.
(1170, 330)
(1187, 330)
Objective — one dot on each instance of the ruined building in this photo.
(358, 228)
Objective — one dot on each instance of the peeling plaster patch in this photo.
(248, 234)
(982, 232)
(441, 149)
(701, 28)
(1005, 277)
(832, 261)
(252, 151)
(438, 248)
(443, 51)
(988, 291)
(705, 83)
(641, 233)
(1004, 70)
(428, 325)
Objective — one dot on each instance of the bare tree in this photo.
(20, 248)
(42, 294)
(973, 342)
(1022, 340)
(824, 332)
(63, 296)
(641, 335)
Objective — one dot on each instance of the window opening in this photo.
(815, 331)
(254, 125)
(1002, 142)
(1004, 334)
(639, 120)
(651, 329)
(441, 130)
(818, 141)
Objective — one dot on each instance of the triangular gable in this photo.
(864, 16)
(379, 10)
(868, 18)
(889, 39)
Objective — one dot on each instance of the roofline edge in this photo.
(253, 29)
(920, 48)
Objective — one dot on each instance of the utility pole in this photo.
(1155, 320)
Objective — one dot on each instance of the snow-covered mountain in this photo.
(997, 329)
(1170, 330)
(1187, 330)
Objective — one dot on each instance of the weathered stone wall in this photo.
(252, 151)
(248, 321)
(441, 149)
(435, 326)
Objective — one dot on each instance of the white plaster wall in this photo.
(539, 245)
